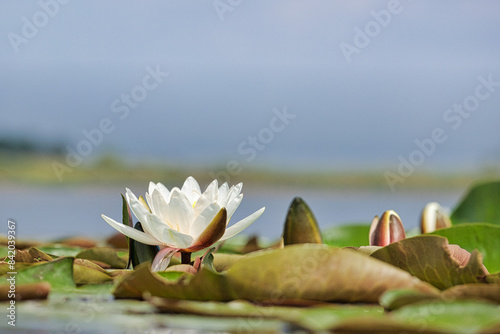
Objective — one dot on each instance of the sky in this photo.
(290, 84)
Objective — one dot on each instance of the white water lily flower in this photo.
(185, 219)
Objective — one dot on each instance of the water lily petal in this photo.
(208, 197)
(192, 189)
(139, 210)
(163, 191)
(151, 187)
(159, 205)
(233, 205)
(233, 193)
(162, 259)
(212, 233)
(241, 225)
(167, 236)
(180, 212)
(223, 192)
(131, 232)
(204, 219)
(149, 201)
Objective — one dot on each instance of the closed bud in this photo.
(387, 229)
(301, 226)
(434, 218)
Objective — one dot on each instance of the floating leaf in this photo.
(495, 278)
(480, 204)
(317, 318)
(32, 255)
(458, 317)
(205, 285)
(316, 272)
(300, 225)
(57, 250)
(394, 299)
(295, 274)
(428, 258)
(489, 292)
(481, 236)
(103, 255)
(347, 235)
(223, 261)
(59, 273)
(87, 272)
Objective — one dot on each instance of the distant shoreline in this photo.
(39, 169)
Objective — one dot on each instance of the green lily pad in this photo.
(481, 236)
(394, 299)
(316, 318)
(428, 258)
(347, 235)
(465, 317)
(104, 255)
(480, 204)
(60, 250)
(59, 273)
(223, 261)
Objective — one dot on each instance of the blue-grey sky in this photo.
(364, 79)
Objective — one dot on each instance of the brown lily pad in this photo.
(429, 258)
(307, 272)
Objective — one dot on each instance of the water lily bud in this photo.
(387, 229)
(300, 225)
(434, 218)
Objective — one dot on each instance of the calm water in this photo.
(55, 212)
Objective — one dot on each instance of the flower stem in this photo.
(185, 258)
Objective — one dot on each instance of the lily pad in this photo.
(480, 204)
(317, 318)
(87, 272)
(428, 258)
(481, 236)
(104, 255)
(489, 292)
(206, 285)
(294, 274)
(394, 299)
(347, 235)
(31, 255)
(465, 317)
(60, 250)
(316, 272)
(59, 273)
